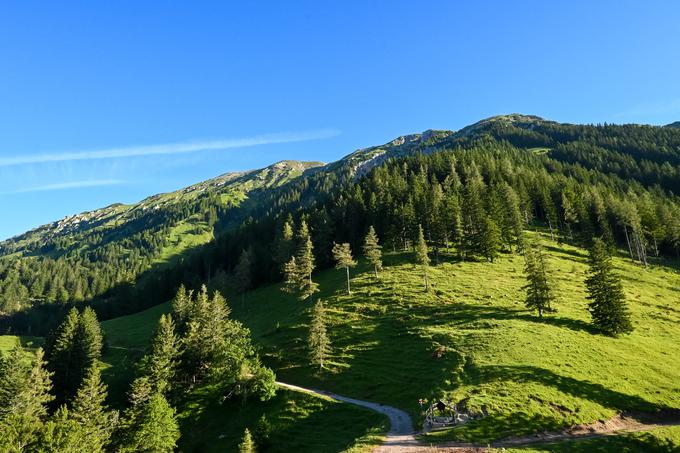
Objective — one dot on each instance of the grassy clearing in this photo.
(528, 374)
(183, 237)
(8, 342)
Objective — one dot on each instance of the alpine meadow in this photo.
(521, 273)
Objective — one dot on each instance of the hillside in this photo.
(528, 374)
(470, 202)
(124, 258)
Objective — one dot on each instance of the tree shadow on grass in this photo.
(500, 426)
(461, 314)
(583, 389)
(299, 422)
(581, 257)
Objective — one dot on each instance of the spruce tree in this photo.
(539, 293)
(421, 255)
(181, 307)
(89, 411)
(61, 357)
(298, 270)
(89, 342)
(607, 302)
(490, 239)
(62, 434)
(342, 254)
(23, 412)
(285, 244)
(292, 277)
(305, 263)
(160, 364)
(318, 341)
(247, 445)
(155, 429)
(513, 225)
(373, 250)
(243, 273)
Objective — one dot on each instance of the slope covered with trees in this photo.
(476, 188)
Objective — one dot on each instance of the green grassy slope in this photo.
(8, 342)
(528, 374)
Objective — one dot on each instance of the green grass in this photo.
(657, 441)
(183, 237)
(126, 339)
(8, 342)
(299, 422)
(528, 374)
(133, 331)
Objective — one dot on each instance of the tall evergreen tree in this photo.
(243, 273)
(490, 239)
(61, 357)
(319, 342)
(160, 364)
(539, 293)
(155, 429)
(285, 244)
(298, 271)
(512, 217)
(24, 410)
(90, 412)
(421, 255)
(89, 342)
(607, 302)
(305, 263)
(373, 250)
(342, 254)
(181, 307)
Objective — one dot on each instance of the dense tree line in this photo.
(473, 195)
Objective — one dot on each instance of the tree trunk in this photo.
(630, 250)
(349, 291)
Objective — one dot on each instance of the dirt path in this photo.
(401, 434)
(401, 437)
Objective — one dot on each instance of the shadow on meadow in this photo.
(291, 417)
(499, 426)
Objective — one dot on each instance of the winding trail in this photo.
(401, 437)
(401, 434)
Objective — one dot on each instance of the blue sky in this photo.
(104, 102)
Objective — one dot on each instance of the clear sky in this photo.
(102, 102)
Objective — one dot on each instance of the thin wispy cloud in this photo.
(169, 148)
(68, 185)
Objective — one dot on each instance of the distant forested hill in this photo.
(579, 181)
